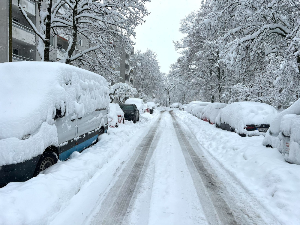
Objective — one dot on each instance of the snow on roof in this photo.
(239, 114)
(30, 92)
(137, 101)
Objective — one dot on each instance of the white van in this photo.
(47, 111)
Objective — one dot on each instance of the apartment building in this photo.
(126, 71)
(17, 39)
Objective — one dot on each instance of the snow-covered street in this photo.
(170, 168)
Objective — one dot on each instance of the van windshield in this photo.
(127, 107)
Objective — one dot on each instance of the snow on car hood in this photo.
(31, 91)
(239, 114)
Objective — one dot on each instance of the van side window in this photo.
(59, 114)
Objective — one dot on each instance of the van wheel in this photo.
(47, 159)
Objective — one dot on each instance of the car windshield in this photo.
(127, 107)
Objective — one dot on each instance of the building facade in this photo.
(17, 39)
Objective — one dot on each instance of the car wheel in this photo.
(269, 146)
(134, 120)
(242, 135)
(138, 119)
(47, 159)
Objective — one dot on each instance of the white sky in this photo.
(162, 28)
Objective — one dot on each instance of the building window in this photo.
(16, 51)
(80, 42)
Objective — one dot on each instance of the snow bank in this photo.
(211, 111)
(138, 102)
(113, 113)
(262, 171)
(240, 114)
(43, 199)
(151, 105)
(30, 93)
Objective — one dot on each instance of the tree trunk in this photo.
(74, 35)
(48, 33)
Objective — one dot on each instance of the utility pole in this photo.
(168, 89)
(10, 48)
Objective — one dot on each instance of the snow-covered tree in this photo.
(103, 24)
(149, 81)
(120, 92)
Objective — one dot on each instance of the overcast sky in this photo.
(162, 28)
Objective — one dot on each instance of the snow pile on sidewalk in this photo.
(30, 94)
(263, 171)
(113, 113)
(40, 199)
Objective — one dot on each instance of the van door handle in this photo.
(80, 118)
(73, 120)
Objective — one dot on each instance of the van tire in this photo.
(47, 159)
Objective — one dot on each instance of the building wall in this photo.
(4, 19)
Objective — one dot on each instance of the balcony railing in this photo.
(23, 27)
(21, 58)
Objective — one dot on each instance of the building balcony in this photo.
(23, 33)
(28, 5)
(17, 58)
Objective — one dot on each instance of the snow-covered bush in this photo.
(211, 111)
(138, 102)
(31, 94)
(115, 115)
(240, 114)
(120, 92)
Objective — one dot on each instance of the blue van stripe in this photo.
(66, 154)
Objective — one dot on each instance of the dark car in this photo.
(131, 112)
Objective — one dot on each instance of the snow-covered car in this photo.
(131, 112)
(246, 118)
(183, 107)
(138, 102)
(284, 133)
(115, 115)
(211, 111)
(196, 108)
(47, 111)
(175, 105)
(151, 106)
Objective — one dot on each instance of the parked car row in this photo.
(45, 117)
(244, 118)
(281, 130)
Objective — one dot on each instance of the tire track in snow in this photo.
(115, 205)
(208, 189)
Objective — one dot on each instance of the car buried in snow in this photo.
(246, 118)
(284, 133)
(47, 111)
(211, 111)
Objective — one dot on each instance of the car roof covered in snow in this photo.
(30, 93)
